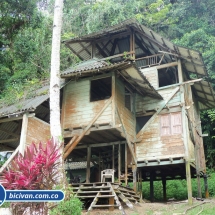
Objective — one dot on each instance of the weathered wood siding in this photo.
(37, 131)
(128, 118)
(154, 146)
(77, 109)
(146, 103)
(195, 127)
(151, 75)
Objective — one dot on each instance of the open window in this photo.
(171, 124)
(100, 89)
(129, 99)
(141, 121)
(167, 76)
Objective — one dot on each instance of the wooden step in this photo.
(86, 188)
(101, 196)
(95, 191)
(103, 206)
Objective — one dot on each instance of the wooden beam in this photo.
(100, 144)
(164, 187)
(180, 74)
(113, 151)
(162, 66)
(9, 140)
(126, 164)
(9, 159)
(119, 162)
(70, 143)
(158, 111)
(15, 118)
(87, 129)
(155, 163)
(126, 137)
(23, 134)
(114, 98)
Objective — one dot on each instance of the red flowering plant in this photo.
(36, 170)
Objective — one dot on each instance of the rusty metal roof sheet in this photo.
(127, 69)
(29, 104)
(77, 165)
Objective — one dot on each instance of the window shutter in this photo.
(165, 125)
(176, 123)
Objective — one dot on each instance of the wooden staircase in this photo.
(105, 195)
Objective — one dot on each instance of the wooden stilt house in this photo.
(132, 105)
(139, 93)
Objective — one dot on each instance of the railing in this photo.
(152, 60)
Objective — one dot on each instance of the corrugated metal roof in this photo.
(192, 61)
(28, 105)
(77, 165)
(127, 69)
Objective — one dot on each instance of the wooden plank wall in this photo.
(153, 145)
(147, 103)
(77, 109)
(191, 121)
(151, 75)
(128, 118)
(37, 131)
(199, 139)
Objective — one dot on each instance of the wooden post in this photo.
(152, 186)
(114, 99)
(99, 166)
(199, 185)
(88, 164)
(23, 134)
(113, 151)
(126, 164)
(119, 163)
(189, 185)
(206, 186)
(180, 74)
(141, 184)
(185, 139)
(111, 202)
(164, 187)
(134, 170)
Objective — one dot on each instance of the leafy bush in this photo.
(36, 170)
(70, 205)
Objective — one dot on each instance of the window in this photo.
(100, 89)
(128, 99)
(167, 76)
(171, 124)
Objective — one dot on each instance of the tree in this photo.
(55, 125)
(55, 72)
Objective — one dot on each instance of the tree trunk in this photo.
(55, 73)
(55, 125)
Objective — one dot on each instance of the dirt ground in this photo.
(206, 207)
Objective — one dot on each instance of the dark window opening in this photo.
(167, 76)
(141, 121)
(128, 100)
(100, 89)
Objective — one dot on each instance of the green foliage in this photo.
(70, 205)
(178, 188)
